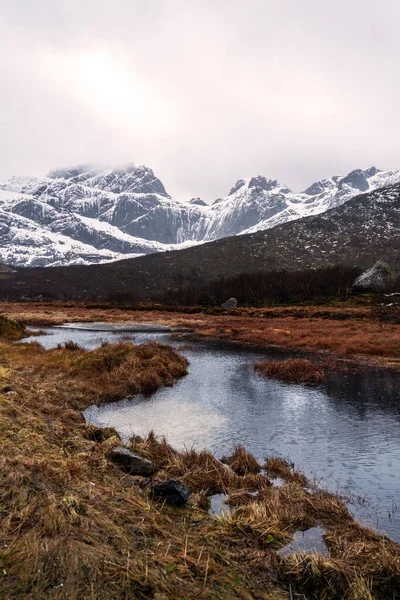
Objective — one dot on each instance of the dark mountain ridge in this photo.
(356, 234)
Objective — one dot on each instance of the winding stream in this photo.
(345, 434)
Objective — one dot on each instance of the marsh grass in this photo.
(279, 467)
(73, 525)
(292, 370)
(201, 471)
(11, 329)
(360, 565)
(242, 462)
(343, 330)
(108, 373)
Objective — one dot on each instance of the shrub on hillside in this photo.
(263, 287)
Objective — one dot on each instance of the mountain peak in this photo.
(197, 202)
(70, 172)
(127, 178)
(87, 214)
(263, 183)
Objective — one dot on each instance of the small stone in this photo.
(131, 462)
(172, 492)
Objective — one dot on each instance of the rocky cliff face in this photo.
(81, 215)
(357, 234)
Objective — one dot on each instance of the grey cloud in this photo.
(203, 92)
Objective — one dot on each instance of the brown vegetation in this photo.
(200, 471)
(292, 370)
(242, 462)
(108, 373)
(361, 563)
(74, 526)
(11, 329)
(346, 333)
(279, 467)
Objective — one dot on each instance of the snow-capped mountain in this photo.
(356, 234)
(82, 215)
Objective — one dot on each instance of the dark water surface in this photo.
(345, 434)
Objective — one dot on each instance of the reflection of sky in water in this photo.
(89, 339)
(198, 424)
(309, 541)
(347, 432)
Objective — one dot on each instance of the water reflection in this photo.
(345, 433)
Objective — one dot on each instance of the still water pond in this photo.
(345, 434)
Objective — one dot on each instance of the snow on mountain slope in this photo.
(326, 194)
(84, 215)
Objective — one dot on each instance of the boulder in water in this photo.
(375, 279)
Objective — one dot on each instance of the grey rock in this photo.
(231, 303)
(172, 492)
(356, 179)
(376, 278)
(236, 187)
(263, 183)
(131, 462)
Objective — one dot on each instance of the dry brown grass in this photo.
(360, 565)
(11, 329)
(292, 370)
(242, 462)
(342, 331)
(201, 471)
(279, 467)
(74, 526)
(108, 373)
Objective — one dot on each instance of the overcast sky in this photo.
(203, 91)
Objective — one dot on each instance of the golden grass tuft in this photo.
(200, 471)
(292, 370)
(105, 374)
(279, 467)
(11, 329)
(242, 462)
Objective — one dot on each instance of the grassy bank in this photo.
(75, 526)
(344, 332)
(300, 370)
